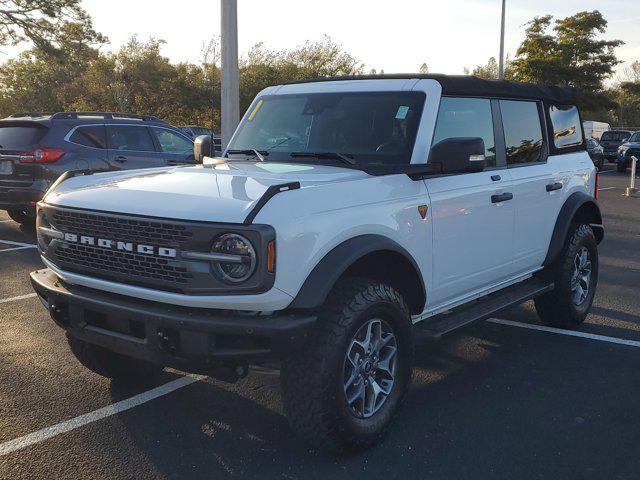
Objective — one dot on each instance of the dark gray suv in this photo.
(36, 149)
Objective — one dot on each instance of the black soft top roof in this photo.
(471, 86)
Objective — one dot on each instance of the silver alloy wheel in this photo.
(581, 276)
(369, 368)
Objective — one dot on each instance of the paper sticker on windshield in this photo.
(402, 112)
(255, 110)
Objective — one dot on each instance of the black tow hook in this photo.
(169, 340)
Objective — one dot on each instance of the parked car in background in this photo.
(594, 129)
(195, 131)
(596, 152)
(610, 142)
(627, 150)
(36, 149)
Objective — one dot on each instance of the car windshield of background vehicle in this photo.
(635, 137)
(372, 128)
(615, 136)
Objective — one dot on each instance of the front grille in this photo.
(127, 229)
(111, 264)
(135, 268)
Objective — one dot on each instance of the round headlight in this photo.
(242, 258)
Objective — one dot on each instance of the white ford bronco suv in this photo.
(345, 216)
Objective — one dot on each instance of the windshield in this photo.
(615, 136)
(635, 137)
(372, 128)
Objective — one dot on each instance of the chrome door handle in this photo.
(503, 197)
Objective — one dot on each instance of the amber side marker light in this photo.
(422, 210)
(271, 257)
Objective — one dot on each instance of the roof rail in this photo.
(105, 115)
(26, 114)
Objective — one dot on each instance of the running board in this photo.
(485, 307)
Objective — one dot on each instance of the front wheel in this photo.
(575, 274)
(344, 388)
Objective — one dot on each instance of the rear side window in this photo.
(90, 136)
(522, 131)
(129, 138)
(467, 117)
(20, 136)
(565, 122)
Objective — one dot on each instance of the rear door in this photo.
(132, 146)
(537, 183)
(16, 139)
(472, 229)
(176, 148)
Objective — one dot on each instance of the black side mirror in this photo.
(459, 155)
(202, 147)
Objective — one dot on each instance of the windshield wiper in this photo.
(339, 156)
(250, 151)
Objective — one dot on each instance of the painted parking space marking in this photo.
(13, 249)
(19, 297)
(19, 244)
(570, 333)
(606, 188)
(91, 417)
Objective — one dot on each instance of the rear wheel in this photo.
(344, 388)
(20, 215)
(575, 274)
(109, 364)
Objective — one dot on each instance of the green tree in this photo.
(569, 53)
(44, 22)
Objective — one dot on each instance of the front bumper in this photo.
(190, 339)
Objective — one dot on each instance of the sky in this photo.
(396, 36)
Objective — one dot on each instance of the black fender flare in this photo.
(326, 273)
(578, 202)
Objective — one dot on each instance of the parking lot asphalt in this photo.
(496, 401)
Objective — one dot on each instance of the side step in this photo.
(444, 323)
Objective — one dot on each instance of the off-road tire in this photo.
(110, 364)
(20, 216)
(557, 307)
(312, 380)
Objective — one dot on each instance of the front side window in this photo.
(467, 117)
(522, 131)
(565, 122)
(129, 138)
(90, 136)
(171, 142)
(372, 128)
(635, 137)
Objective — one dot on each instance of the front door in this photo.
(176, 148)
(132, 146)
(473, 217)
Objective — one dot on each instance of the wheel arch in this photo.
(579, 207)
(372, 256)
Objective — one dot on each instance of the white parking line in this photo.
(20, 297)
(14, 249)
(19, 244)
(570, 333)
(108, 411)
(606, 188)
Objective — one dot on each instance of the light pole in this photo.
(501, 60)
(230, 101)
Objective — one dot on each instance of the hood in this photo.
(224, 192)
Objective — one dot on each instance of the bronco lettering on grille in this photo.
(119, 245)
